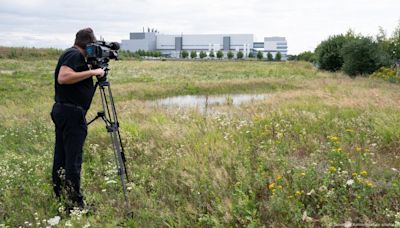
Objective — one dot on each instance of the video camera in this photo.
(99, 54)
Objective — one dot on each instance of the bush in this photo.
(260, 55)
(202, 55)
(278, 56)
(220, 54)
(193, 54)
(386, 74)
(184, 54)
(362, 56)
(251, 55)
(239, 55)
(269, 56)
(329, 52)
(230, 55)
(212, 54)
(307, 56)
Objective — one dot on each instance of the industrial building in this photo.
(173, 45)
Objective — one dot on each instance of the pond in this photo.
(204, 101)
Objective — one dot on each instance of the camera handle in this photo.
(109, 116)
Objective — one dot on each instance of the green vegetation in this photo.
(193, 54)
(251, 55)
(230, 55)
(184, 54)
(239, 55)
(260, 55)
(212, 54)
(202, 54)
(29, 53)
(220, 54)
(270, 57)
(322, 150)
(278, 56)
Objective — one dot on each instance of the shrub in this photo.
(329, 52)
(260, 55)
(230, 55)
(278, 56)
(220, 54)
(212, 54)
(362, 56)
(387, 74)
(193, 54)
(202, 55)
(239, 55)
(269, 56)
(184, 54)
(307, 56)
(251, 55)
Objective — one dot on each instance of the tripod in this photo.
(109, 116)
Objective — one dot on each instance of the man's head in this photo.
(84, 37)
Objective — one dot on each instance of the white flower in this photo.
(54, 221)
(311, 192)
(111, 182)
(350, 182)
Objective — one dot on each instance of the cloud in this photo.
(46, 23)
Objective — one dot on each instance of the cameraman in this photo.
(74, 90)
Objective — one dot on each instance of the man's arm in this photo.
(68, 76)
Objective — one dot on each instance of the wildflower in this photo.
(369, 184)
(303, 174)
(349, 130)
(332, 169)
(279, 177)
(333, 138)
(297, 193)
(350, 182)
(364, 173)
(54, 221)
(311, 192)
(354, 174)
(358, 149)
(323, 188)
(271, 186)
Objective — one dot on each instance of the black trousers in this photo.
(70, 131)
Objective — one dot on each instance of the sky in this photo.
(304, 23)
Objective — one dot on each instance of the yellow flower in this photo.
(358, 149)
(332, 169)
(364, 173)
(279, 177)
(271, 186)
(333, 138)
(303, 174)
(339, 149)
(297, 193)
(349, 130)
(369, 184)
(280, 187)
(354, 174)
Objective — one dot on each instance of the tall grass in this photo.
(321, 151)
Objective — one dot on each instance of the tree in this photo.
(220, 54)
(230, 55)
(184, 54)
(362, 56)
(270, 57)
(278, 56)
(239, 55)
(260, 55)
(394, 47)
(329, 52)
(251, 55)
(202, 54)
(193, 54)
(212, 54)
(307, 56)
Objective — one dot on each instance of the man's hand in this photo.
(99, 72)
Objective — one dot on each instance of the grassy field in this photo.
(322, 149)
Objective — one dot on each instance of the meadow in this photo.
(321, 150)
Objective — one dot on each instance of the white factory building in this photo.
(173, 45)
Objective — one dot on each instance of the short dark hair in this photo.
(84, 37)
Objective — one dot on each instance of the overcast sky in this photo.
(53, 23)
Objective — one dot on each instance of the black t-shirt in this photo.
(80, 93)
